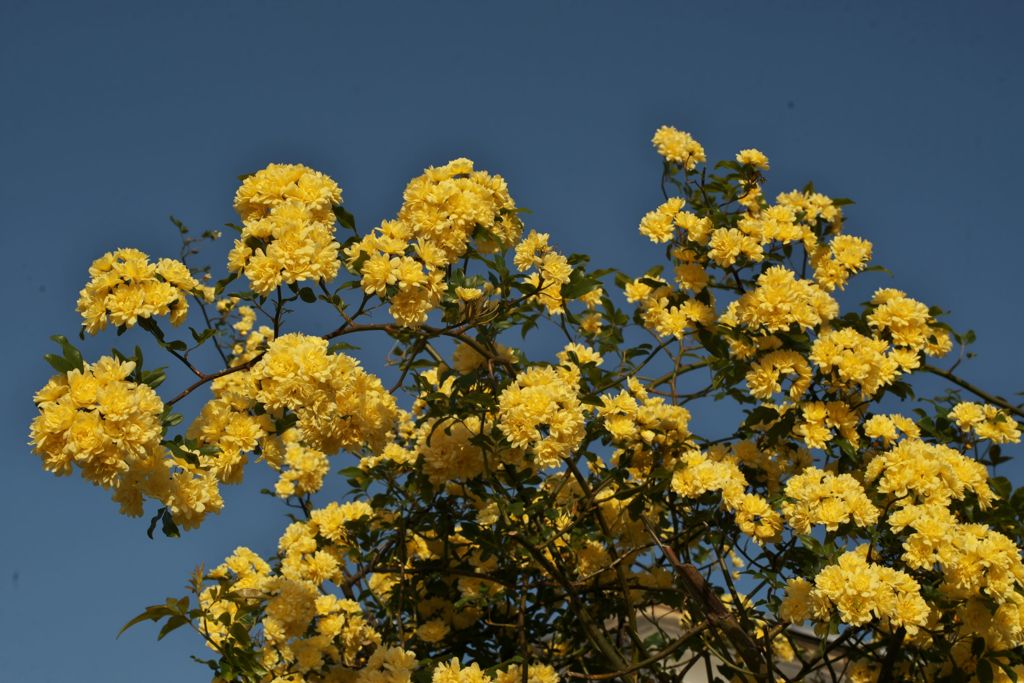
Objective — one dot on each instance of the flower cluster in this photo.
(678, 147)
(780, 301)
(111, 427)
(100, 420)
(444, 212)
(287, 227)
(124, 286)
(338, 405)
(986, 421)
(817, 497)
(697, 474)
(861, 591)
(541, 411)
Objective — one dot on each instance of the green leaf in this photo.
(169, 528)
(172, 624)
(579, 284)
(151, 613)
(58, 363)
(178, 346)
(1002, 487)
(152, 525)
(200, 337)
(345, 218)
(307, 295)
(984, 671)
(70, 359)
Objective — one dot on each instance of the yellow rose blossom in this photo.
(752, 157)
(678, 147)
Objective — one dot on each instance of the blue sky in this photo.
(114, 115)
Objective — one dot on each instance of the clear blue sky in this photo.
(114, 115)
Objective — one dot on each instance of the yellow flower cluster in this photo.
(907, 323)
(729, 244)
(541, 411)
(444, 212)
(780, 300)
(861, 591)
(843, 257)
(852, 360)
(660, 224)
(111, 428)
(306, 628)
(986, 421)
(338, 404)
(303, 468)
(817, 497)
(454, 672)
(663, 317)
(752, 157)
(981, 568)
(915, 472)
(697, 474)
(639, 424)
(98, 419)
(228, 423)
(777, 222)
(888, 428)
(287, 227)
(811, 207)
(447, 450)
(552, 270)
(678, 147)
(124, 286)
(765, 376)
(818, 419)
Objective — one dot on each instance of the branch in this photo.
(995, 400)
(700, 593)
(653, 659)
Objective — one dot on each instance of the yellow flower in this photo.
(124, 286)
(817, 497)
(752, 157)
(541, 411)
(764, 377)
(678, 147)
(658, 225)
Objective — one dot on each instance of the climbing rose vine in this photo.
(528, 497)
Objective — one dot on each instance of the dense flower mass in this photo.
(445, 212)
(124, 286)
(110, 426)
(287, 227)
(560, 508)
(338, 405)
(99, 419)
(541, 411)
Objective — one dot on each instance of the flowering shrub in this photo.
(516, 515)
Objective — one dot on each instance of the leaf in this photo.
(307, 295)
(58, 363)
(172, 624)
(152, 523)
(151, 613)
(984, 671)
(169, 528)
(200, 337)
(345, 218)
(178, 346)
(579, 284)
(1002, 487)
